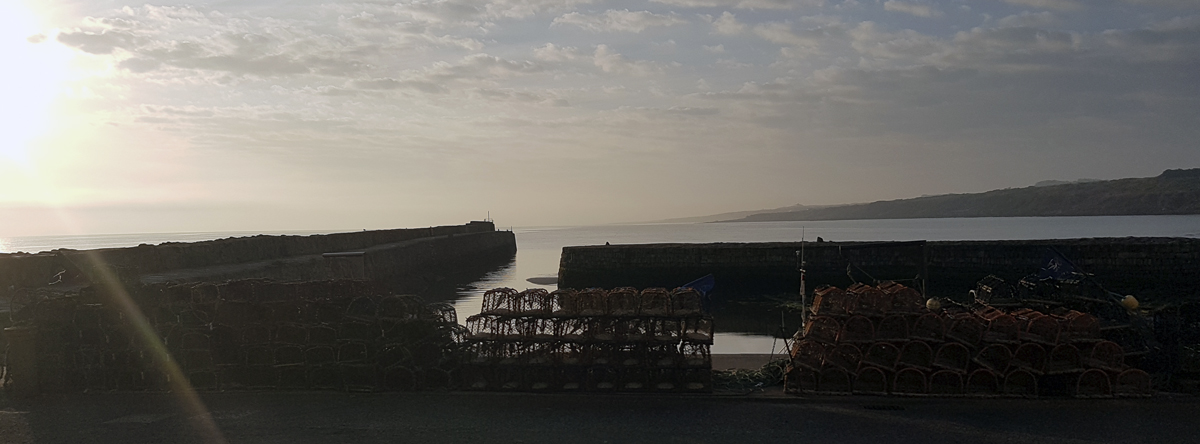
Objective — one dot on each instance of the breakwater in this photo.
(1154, 269)
(257, 312)
(401, 254)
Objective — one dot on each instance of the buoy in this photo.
(933, 304)
(1129, 302)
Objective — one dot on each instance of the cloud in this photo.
(693, 111)
(783, 34)
(332, 91)
(102, 42)
(1170, 3)
(1179, 4)
(611, 62)
(187, 111)
(241, 53)
(378, 99)
(553, 53)
(903, 46)
(139, 65)
(1059, 5)
(1175, 40)
(449, 13)
(1028, 19)
(152, 38)
(265, 65)
(1029, 77)
(727, 24)
(1012, 46)
(619, 20)
(519, 96)
(145, 119)
(482, 66)
(525, 8)
(386, 84)
(441, 77)
(919, 10)
(744, 4)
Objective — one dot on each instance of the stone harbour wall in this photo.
(406, 265)
(1154, 269)
(37, 270)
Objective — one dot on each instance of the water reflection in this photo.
(757, 325)
(469, 298)
(737, 343)
(760, 315)
(469, 281)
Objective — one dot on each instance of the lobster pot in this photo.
(881, 341)
(594, 340)
(251, 334)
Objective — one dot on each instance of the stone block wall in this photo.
(419, 259)
(36, 270)
(405, 265)
(1162, 269)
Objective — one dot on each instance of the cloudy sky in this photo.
(272, 115)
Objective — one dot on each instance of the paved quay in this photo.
(760, 417)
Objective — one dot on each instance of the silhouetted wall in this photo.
(406, 265)
(1154, 268)
(38, 270)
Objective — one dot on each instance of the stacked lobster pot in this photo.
(590, 340)
(253, 334)
(885, 340)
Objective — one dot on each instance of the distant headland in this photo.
(1173, 192)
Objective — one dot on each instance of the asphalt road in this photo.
(430, 417)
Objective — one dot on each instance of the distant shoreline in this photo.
(740, 221)
(1172, 193)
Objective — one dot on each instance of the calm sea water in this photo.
(538, 248)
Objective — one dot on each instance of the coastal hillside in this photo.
(735, 215)
(1172, 192)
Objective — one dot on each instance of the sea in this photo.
(539, 248)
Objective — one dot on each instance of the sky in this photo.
(305, 115)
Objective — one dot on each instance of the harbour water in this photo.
(538, 249)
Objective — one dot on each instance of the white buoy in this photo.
(933, 304)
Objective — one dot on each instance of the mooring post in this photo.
(800, 266)
(22, 361)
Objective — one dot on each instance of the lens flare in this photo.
(36, 67)
(144, 333)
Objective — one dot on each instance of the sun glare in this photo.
(36, 67)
